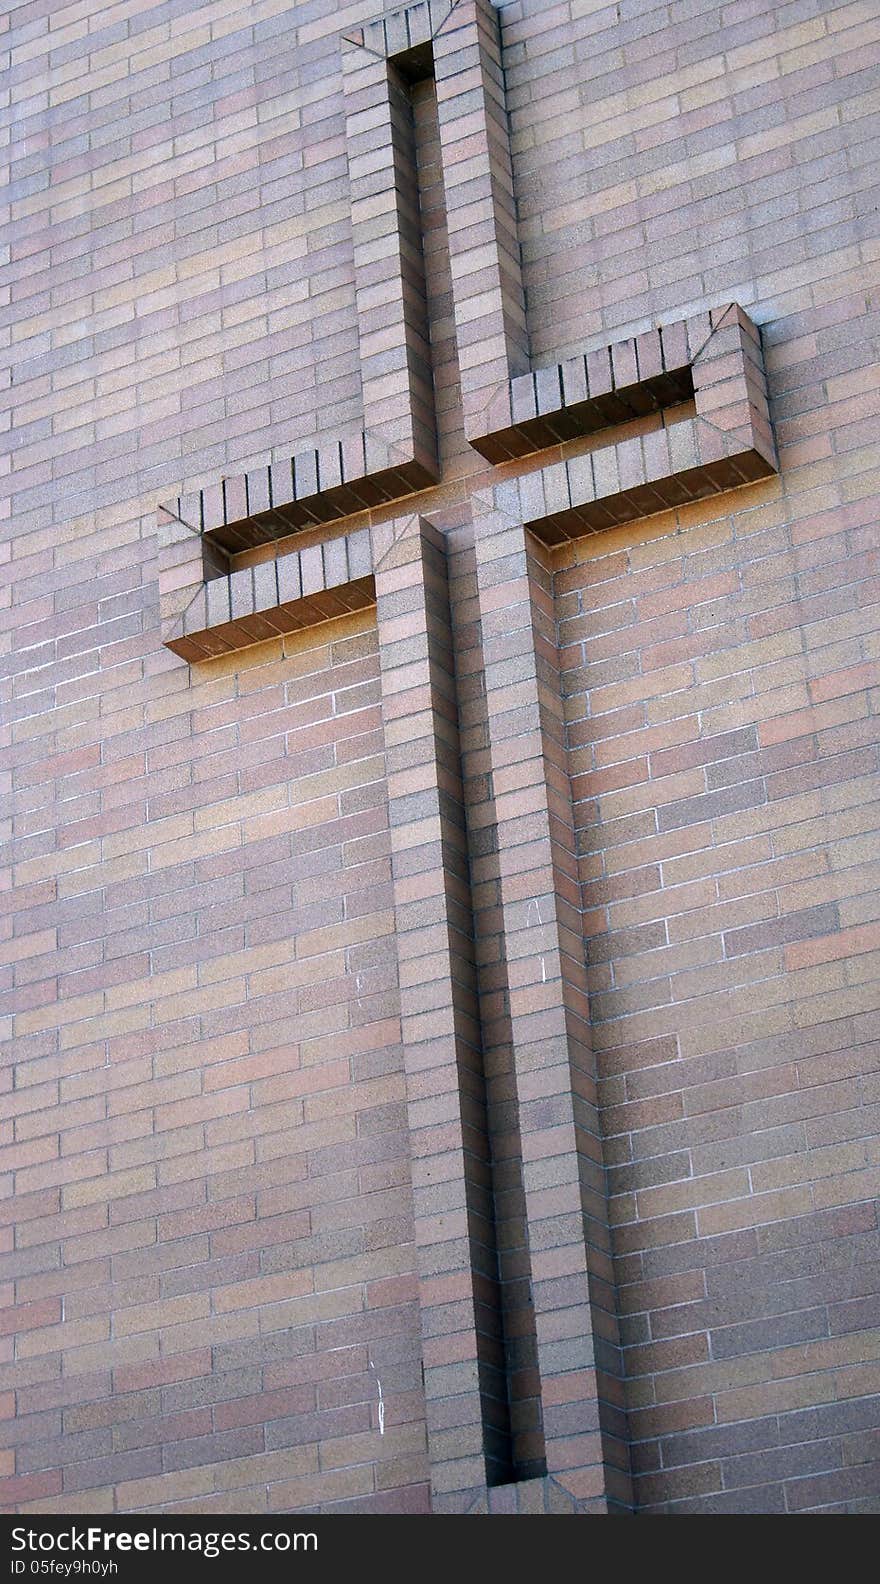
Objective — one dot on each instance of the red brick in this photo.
(295, 974)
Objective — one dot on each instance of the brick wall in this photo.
(210, 1258)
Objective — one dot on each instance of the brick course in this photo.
(456, 965)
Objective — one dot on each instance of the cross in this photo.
(522, 1371)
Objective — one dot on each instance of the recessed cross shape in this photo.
(523, 1393)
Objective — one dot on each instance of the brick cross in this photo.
(522, 1375)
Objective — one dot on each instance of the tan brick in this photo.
(224, 939)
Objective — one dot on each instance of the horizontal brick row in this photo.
(611, 385)
(402, 30)
(203, 1084)
(316, 486)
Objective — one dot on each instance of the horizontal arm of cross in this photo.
(711, 360)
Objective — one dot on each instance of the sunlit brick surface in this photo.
(211, 1120)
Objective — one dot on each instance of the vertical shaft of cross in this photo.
(466, 1357)
(490, 316)
(572, 1284)
(465, 1387)
(389, 270)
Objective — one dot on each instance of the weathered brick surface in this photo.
(213, 1244)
